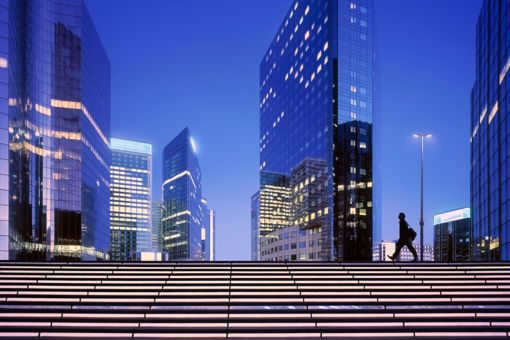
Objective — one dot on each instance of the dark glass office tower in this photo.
(130, 198)
(490, 135)
(182, 192)
(354, 194)
(55, 104)
(316, 103)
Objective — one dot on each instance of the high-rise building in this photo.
(316, 104)
(490, 136)
(271, 205)
(382, 250)
(130, 198)
(156, 234)
(452, 236)
(54, 133)
(254, 232)
(182, 194)
(208, 232)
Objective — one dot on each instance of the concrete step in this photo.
(239, 300)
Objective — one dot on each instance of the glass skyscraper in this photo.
(130, 198)
(182, 193)
(316, 122)
(54, 133)
(490, 135)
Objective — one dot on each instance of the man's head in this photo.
(401, 216)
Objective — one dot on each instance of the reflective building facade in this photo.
(286, 204)
(130, 198)
(452, 236)
(490, 135)
(55, 117)
(316, 103)
(309, 208)
(182, 193)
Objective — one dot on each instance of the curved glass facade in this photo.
(182, 193)
(316, 108)
(59, 130)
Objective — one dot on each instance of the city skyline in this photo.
(400, 188)
(128, 128)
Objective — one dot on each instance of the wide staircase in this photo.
(250, 300)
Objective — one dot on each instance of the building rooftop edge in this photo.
(127, 145)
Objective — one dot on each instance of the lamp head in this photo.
(422, 135)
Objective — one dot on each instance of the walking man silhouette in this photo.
(405, 239)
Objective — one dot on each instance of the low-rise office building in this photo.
(452, 235)
(406, 255)
(291, 244)
(382, 250)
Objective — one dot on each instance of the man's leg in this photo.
(412, 250)
(398, 248)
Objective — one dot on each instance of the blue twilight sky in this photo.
(195, 63)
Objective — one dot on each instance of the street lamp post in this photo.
(422, 136)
